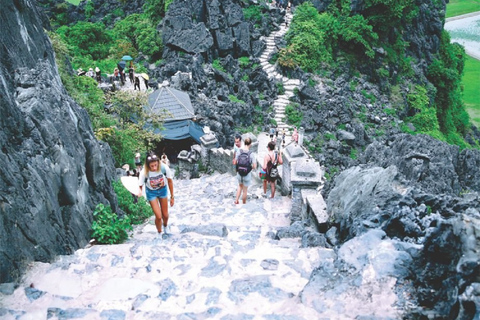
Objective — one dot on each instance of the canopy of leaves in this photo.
(87, 39)
(313, 38)
(138, 29)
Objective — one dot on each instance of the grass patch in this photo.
(471, 92)
(459, 7)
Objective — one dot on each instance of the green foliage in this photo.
(107, 227)
(234, 99)
(353, 85)
(390, 111)
(154, 10)
(356, 35)
(329, 136)
(245, 77)
(253, 13)
(369, 96)
(353, 153)
(87, 39)
(445, 74)
(280, 88)
(134, 128)
(138, 29)
(89, 10)
(136, 212)
(293, 114)
(244, 62)
(167, 4)
(330, 172)
(217, 65)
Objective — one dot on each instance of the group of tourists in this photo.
(155, 178)
(97, 74)
(282, 4)
(245, 161)
(119, 75)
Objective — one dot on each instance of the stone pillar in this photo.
(209, 141)
(291, 154)
(301, 133)
(185, 165)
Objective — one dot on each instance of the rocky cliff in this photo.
(54, 171)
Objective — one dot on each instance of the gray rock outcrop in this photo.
(54, 171)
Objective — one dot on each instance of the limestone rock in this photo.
(54, 171)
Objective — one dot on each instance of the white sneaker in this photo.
(167, 230)
(158, 238)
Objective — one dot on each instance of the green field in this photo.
(471, 91)
(75, 2)
(459, 7)
(471, 76)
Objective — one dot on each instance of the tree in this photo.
(87, 39)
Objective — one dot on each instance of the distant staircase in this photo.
(289, 84)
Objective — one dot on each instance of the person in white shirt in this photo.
(155, 177)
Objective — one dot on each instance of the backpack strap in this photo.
(274, 163)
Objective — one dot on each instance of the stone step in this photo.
(295, 82)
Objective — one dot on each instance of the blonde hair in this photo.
(147, 164)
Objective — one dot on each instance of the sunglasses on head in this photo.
(154, 157)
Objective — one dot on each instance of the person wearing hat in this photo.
(155, 177)
(138, 161)
(90, 73)
(80, 72)
(98, 74)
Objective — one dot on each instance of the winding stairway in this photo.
(289, 84)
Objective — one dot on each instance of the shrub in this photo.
(244, 62)
(293, 114)
(234, 99)
(217, 65)
(107, 227)
(87, 39)
(138, 29)
(137, 212)
(253, 13)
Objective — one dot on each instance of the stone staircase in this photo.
(289, 84)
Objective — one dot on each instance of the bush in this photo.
(243, 62)
(87, 39)
(137, 212)
(107, 227)
(294, 115)
(253, 13)
(217, 65)
(141, 33)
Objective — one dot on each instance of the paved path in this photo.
(221, 261)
